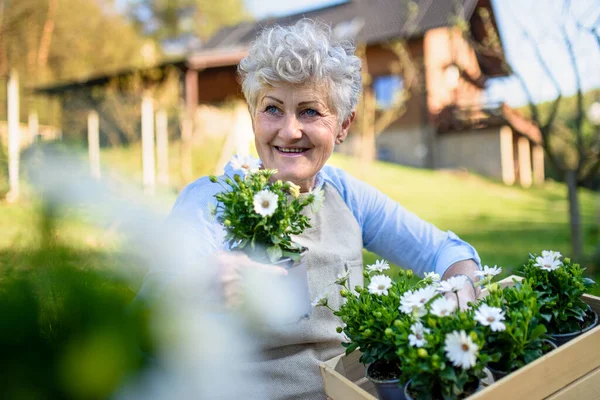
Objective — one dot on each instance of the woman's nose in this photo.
(291, 128)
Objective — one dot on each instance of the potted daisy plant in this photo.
(509, 319)
(370, 316)
(440, 347)
(559, 285)
(261, 216)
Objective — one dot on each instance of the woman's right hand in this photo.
(232, 267)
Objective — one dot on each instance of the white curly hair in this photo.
(305, 52)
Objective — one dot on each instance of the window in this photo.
(387, 90)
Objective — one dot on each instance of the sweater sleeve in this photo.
(393, 232)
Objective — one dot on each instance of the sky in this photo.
(542, 18)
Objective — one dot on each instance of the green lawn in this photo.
(503, 223)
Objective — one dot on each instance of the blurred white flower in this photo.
(553, 254)
(265, 202)
(461, 350)
(488, 271)
(380, 284)
(548, 262)
(490, 316)
(320, 300)
(433, 276)
(452, 284)
(246, 164)
(319, 195)
(379, 266)
(443, 307)
(342, 277)
(417, 337)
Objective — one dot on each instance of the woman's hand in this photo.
(468, 293)
(232, 267)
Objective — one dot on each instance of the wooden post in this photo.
(94, 143)
(34, 127)
(524, 161)
(148, 164)
(162, 147)
(537, 155)
(187, 128)
(14, 137)
(507, 160)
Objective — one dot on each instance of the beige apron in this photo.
(290, 360)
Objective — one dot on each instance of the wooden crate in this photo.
(570, 372)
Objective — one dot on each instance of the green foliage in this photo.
(67, 332)
(263, 237)
(523, 339)
(559, 294)
(372, 320)
(174, 18)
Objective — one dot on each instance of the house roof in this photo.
(375, 20)
(456, 119)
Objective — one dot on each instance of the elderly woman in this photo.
(302, 86)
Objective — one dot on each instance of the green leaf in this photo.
(537, 332)
(274, 253)
(448, 374)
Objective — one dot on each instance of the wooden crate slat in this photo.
(337, 386)
(586, 387)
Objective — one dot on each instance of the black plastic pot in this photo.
(407, 396)
(561, 338)
(388, 389)
(498, 374)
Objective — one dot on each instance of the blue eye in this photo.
(271, 109)
(309, 112)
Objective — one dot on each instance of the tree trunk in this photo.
(574, 215)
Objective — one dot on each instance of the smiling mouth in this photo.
(291, 150)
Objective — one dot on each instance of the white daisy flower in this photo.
(548, 262)
(265, 202)
(443, 307)
(414, 302)
(434, 276)
(342, 277)
(379, 266)
(417, 337)
(452, 284)
(320, 300)
(549, 253)
(461, 350)
(317, 203)
(488, 271)
(490, 316)
(380, 284)
(247, 164)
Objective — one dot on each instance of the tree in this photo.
(570, 142)
(172, 19)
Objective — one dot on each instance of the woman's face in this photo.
(295, 131)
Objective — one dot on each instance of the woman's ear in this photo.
(345, 128)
